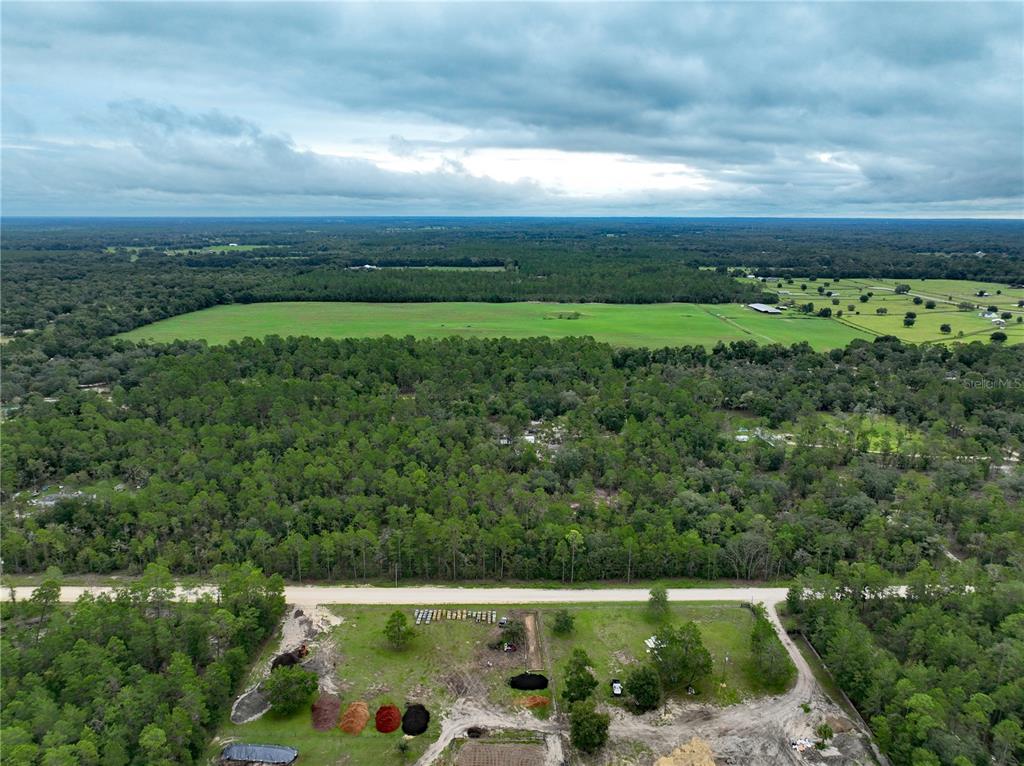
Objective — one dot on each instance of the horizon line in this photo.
(435, 216)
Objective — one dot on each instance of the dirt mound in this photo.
(696, 752)
(249, 706)
(839, 725)
(528, 682)
(355, 717)
(534, 700)
(415, 720)
(287, 659)
(325, 712)
(388, 718)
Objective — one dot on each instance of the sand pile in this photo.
(325, 712)
(298, 629)
(696, 752)
(249, 706)
(388, 718)
(415, 720)
(355, 717)
(534, 700)
(528, 682)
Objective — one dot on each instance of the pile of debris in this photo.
(696, 752)
(325, 712)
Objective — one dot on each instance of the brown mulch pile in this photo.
(325, 712)
(355, 717)
(388, 718)
(534, 700)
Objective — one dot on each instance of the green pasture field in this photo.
(946, 293)
(650, 325)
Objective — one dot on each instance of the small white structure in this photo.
(763, 308)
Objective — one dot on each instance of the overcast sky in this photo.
(625, 109)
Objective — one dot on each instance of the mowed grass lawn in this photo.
(650, 325)
(613, 636)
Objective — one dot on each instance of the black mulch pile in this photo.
(528, 682)
(415, 720)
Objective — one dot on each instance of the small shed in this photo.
(258, 755)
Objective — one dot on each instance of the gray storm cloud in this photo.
(774, 109)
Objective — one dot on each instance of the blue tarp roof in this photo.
(260, 753)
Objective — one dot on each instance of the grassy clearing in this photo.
(874, 433)
(945, 293)
(448, 653)
(613, 635)
(442, 656)
(377, 674)
(652, 325)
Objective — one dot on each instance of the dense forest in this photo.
(451, 459)
(133, 679)
(939, 673)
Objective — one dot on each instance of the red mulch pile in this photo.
(325, 712)
(355, 718)
(388, 718)
(534, 700)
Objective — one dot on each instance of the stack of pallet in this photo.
(426, 616)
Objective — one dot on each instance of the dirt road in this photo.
(314, 595)
(534, 656)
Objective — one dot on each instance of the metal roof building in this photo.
(764, 308)
(258, 755)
